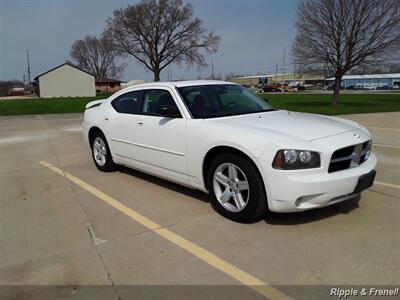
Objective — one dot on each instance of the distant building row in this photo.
(369, 81)
(67, 80)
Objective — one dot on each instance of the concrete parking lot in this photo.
(54, 231)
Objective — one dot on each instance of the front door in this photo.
(161, 142)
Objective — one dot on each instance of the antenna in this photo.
(29, 70)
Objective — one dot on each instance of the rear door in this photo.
(123, 124)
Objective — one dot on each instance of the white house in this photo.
(65, 80)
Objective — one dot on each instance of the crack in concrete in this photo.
(384, 194)
(316, 274)
(168, 226)
(96, 241)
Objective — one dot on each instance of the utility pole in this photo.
(298, 74)
(283, 67)
(169, 73)
(276, 73)
(294, 74)
(29, 71)
(212, 69)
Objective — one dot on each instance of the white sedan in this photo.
(220, 138)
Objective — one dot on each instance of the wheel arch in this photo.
(92, 131)
(213, 152)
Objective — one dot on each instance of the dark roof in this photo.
(66, 63)
(107, 80)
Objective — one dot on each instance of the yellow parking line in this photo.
(384, 128)
(205, 255)
(387, 184)
(387, 146)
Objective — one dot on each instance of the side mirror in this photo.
(168, 111)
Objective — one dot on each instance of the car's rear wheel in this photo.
(101, 153)
(236, 188)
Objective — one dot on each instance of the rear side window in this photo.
(128, 103)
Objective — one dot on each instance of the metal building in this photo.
(287, 79)
(369, 81)
(65, 80)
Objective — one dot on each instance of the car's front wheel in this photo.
(236, 188)
(101, 153)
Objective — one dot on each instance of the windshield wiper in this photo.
(269, 109)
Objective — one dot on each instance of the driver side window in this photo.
(154, 98)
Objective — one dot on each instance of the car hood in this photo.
(287, 124)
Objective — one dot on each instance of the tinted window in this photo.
(129, 103)
(208, 101)
(152, 99)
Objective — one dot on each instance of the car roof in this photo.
(183, 83)
(199, 82)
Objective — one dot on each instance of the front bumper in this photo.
(298, 191)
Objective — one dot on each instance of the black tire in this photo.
(256, 206)
(109, 165)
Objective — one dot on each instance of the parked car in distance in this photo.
(383, 88)
(255, 89)
(270, 89)
(222, 139)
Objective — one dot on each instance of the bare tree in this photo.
(97, 56)
(160, 32)
(338, 35)
(388, 67)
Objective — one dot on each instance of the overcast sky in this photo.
(254, 34)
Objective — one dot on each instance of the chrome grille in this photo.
(349, 157)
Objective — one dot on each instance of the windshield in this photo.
(220, 100)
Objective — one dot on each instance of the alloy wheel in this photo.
(231, 187)
(99, 151)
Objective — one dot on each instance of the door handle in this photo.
(105, 118)
(139, 123)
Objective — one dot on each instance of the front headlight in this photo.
(291, 159)
(366, 151)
